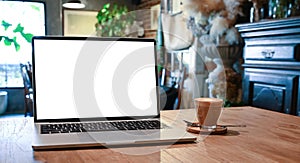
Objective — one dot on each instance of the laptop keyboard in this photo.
(99, 126)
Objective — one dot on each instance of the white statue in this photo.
(214, 76)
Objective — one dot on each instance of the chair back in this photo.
(26, 77)
(180, 86)
(172, 83)
(28, 93)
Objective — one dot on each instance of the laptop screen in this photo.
(81, 77)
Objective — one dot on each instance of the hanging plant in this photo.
(113, 20)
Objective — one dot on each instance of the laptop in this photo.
(91, 91)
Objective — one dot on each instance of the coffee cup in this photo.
(208, 112)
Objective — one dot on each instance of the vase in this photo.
(228, 83)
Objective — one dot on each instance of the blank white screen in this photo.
(122, 78)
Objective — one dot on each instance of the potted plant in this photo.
(219, 43)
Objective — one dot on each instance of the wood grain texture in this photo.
(268, 137)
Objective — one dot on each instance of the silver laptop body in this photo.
(86, 80)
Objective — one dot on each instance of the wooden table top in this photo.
(268, 137)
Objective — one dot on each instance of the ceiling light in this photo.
(73, 4)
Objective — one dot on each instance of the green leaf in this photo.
(5, 24)
(125, 9)
(19, 28)
(115, 8)
(103, 21)
(106, 5)
(17, 46)
(7, 41)
(35, 7)
(27, 36)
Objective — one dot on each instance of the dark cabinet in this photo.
(271, 89)
(272, 65)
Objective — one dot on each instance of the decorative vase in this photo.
(225, 79)
(228, 85)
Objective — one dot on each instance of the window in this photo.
(19, 22)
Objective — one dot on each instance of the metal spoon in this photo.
(191, 124)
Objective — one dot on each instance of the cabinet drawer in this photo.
(272, 52)
(268, 96)
(271, 91)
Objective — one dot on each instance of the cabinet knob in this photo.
(268, 54)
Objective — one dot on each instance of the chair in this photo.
(28, 92)
(180, 86)
(172, 85)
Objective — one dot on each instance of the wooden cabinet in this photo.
(271, 78)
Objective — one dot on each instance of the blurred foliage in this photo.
(113, 20)
(19, 29)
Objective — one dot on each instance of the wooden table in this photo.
(268, 137)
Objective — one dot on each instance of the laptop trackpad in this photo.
(124, 137)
